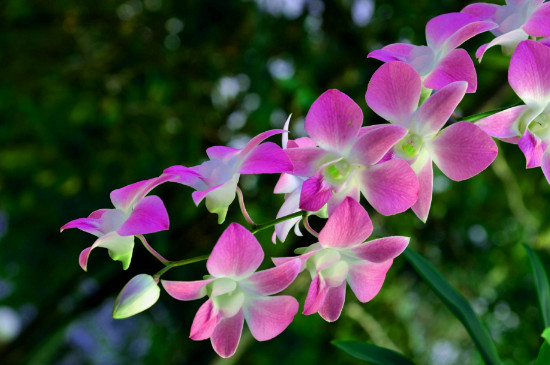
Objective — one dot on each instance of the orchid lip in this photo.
(338, 172)
(541, 126)
(409, 147)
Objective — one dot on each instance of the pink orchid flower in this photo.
(134, 214)
(237, 293)
(345, 162)
(517, 20)
(461, 150)
(342, 256)
(440, 62)
(529, 124)
(217, 179)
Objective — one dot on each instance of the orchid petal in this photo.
(453, 29)
(205, 321)
(481, 10)
(127, 196)
(463, 150)
(424, 171)
(120, 249)
(276, 279)
(382, 249)
(333, 120)
(291, 205)
(316, 192)
(267, 158)
(218, 199)
(186, 290)
(287, 184)
(507, 40)
(393, 52)
(227, 334)
(186, 176)
(503, 124)
(223, 153)
(306, 160)
(546, 164)
(538, 24)
(237, 253)
(373, 145)
(394, 92)
(366, 279)
(390, 187)
(148, 216)
(333, 303)
(267, 317)
(92, 224)
(533, 148)
(315, 296)
(348, 190)
(349, 224)
(529, 73)
(254, 142)
(456, 66)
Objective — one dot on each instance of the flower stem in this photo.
(179, 263)
(243, 207)
(261, 227)
(152, 251)
(308, 227)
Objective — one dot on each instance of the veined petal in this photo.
(529, 73)
(376, 142)
(390, 187)
(316, 192)
(186, 290)
(267, 158)
(315, 296)
(481, 10)
(503, 124)
(236, 254)
(187, 176)
(456, 66)
(287, 184)
(223, 153)
(462, 150)
(227, 334)
(267, 317)
(92, 224)
(291, 205)
(254, 142)
(148, 216)
(333, 120)
(438, 108)
(334, 302)
(546, 164)
(424, 172)
(382, 249)
(124, 198)
(120, 249)
(394, 92)
(348, 225)
(393, 52)
(507, 40)
(306, 160)
(533, 148)
(538, 24)
(366, 279)
(205, 321)
(452, 29)
(276, 279)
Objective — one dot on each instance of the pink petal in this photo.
(366, 279)
(453, 29)
(333, 120)
(186, 176)
(538, 24)
(267, 317)
(276, 279)
(199, 195)
(375, 143)
(334, 303)
(125, 197)
(205, 321)
(424, 172)
(463, 150)
(456, 66)
(438, 108)
(301, 142)
(186, 290)
(546, 164)
(382, 249)
(315, 295)
(148, 216)
(503, 124)
(237, 253)
(390, 187)
(316, 192)
(227, 334)
(92, 224)
(349, 190)
(529, 72)
(287, 184)
(221, 152)
(306, 160)
(254, 142)
(348, 225)
(393, 52)
(291, 205)
(120, 249)
(481, 10)
(507, 40)
(267, 158)
(394, 92)
(533, 148)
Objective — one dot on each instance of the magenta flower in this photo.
(341, 256)
(461, 150)
(217, 179)
(517, 20)
(529, 124)
(134, 214)
(346, 161)
(440, 63)
(237, 293)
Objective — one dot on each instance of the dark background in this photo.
(95, 95)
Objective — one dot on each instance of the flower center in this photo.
(338, 172)
(409, 147)
(540, 126)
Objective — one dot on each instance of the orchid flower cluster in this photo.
(417, 90)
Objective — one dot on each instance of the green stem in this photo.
(476, 117)
(152, 251)
(179, 263)
(261, 227)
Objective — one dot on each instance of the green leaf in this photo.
(546, 335)
(457, 304)
(371, 353)
(541, 282)
(544, 354)
(476, 117)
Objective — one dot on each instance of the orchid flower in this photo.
(217, 179)
(440, 62)
(134, 214)
(529, 124)
(461, 150)
(517, 20)
(237, 293)
(345, 162)
(341, 256)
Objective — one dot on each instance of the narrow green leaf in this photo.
(542, 284)
(544, 354)
(546, 335)
(457, 304)
(371, 353)
(476, 117)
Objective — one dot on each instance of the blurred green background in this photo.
(95, 95)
